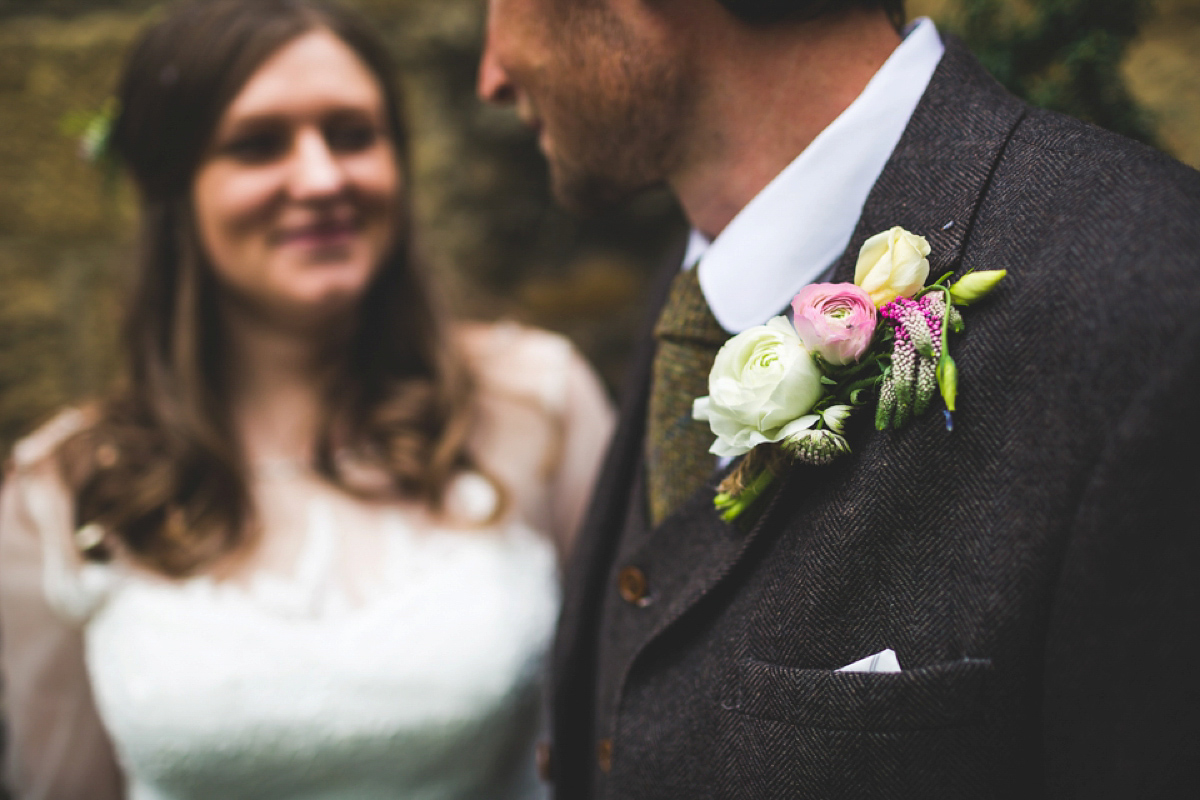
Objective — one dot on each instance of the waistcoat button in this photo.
(604, 749)
(545, 761)
(631, 583)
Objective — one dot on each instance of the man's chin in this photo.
(589, 194)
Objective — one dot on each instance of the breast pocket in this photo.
(922, 733)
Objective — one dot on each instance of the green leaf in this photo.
(926, 386)
(904, 402)
(886, 407)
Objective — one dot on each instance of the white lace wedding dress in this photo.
(363, 651)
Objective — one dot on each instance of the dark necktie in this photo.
(688, 337)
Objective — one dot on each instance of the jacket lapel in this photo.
(943, 163)
(597, 541)
(932, 186)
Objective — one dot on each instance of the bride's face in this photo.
(296, 198)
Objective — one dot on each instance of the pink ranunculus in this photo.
(835, 320)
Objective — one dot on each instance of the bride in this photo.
(308, 549)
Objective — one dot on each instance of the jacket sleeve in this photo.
(1122, 707)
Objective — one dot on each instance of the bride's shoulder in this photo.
(515, 360)
(510, 341)
(34, 473)
(37, 452)
(38, 534)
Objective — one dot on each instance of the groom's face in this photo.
(600, 84)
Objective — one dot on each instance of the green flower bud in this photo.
(926, 385)
(920, 335)
(955, 319)
(975, 286)
(905, 393)
(947, 378)
(887, 404)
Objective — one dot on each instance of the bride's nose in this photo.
(315, 171)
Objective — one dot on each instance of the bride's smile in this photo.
(296, 197)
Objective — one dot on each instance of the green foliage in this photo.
(1061, 54)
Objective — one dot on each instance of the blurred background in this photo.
(498, 243)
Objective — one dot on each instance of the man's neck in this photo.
(768, 93)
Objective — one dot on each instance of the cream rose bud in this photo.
(892, 264)
(761, 381)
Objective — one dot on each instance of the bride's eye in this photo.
(348, 136)
(256, 148)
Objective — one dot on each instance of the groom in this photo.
(1035, 572)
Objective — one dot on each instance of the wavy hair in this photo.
(161, 468)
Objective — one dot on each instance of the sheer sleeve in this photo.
(544, 424)
(587, 426)
(57, 747)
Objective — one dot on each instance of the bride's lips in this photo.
(324, 233)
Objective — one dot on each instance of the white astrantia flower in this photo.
(835, 417)
(817, 447)
(762, 386)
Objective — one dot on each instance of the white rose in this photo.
(892, 264)
(762, 385)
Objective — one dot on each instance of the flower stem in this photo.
(732, 507)
(947, 370)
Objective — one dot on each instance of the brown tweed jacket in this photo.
(1037, 570)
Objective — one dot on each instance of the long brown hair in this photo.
(161, 468)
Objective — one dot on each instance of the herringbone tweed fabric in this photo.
(1035, 570)
(688, 337)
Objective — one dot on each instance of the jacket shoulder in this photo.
(1095, 164)
(519, 362)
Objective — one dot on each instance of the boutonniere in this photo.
(782, 392)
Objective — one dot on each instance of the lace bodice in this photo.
(286, 689)
(365, 651)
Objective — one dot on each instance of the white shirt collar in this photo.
(798, 225)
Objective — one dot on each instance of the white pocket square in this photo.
(883, 661)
